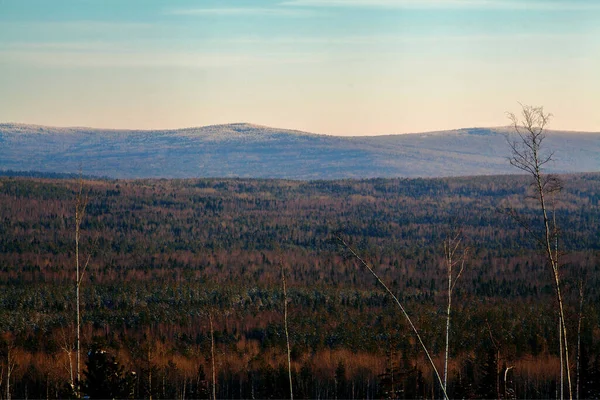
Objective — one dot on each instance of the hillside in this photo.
(168, 252)
(251, 151)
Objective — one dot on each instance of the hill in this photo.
(252, 151)
(168, 252)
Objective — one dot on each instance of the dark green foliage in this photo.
(105, 378)
(401, 379)
(202, 389)
(465, 383)
(590, 375)
(489, 381)
(341, 382)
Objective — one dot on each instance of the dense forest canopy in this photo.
(166, 253)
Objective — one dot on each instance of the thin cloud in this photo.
(450, 4)
(116, 59)
(82, 46)
(237, 11)
(391, 39)
(81, 25)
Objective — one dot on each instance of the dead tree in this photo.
(212, 357)
(581, 287)
(455, 255)
(81, 202)
(528, 155)
(287, 335)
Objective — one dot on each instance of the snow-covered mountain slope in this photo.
(245, 150)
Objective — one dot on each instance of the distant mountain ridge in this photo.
(254, 151)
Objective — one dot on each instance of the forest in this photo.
(183, 288)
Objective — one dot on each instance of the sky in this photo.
(342, 67)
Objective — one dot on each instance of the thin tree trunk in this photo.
(527, 157)
(287, 336)
(553, 260)
(505, 379)
(448, 322)
(68, 349)
(149, 376)
(80, 268)
(562, 362)
(78, 334)
(498, 374)
(413, 327)
(10, 366)
(212, 356)
(80, 205)
(8, 380)
(451, 246)
(579, 336)
(1, 377)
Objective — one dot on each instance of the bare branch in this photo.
(462, 266)
(87, 261)
(527, 155)
(414, 329)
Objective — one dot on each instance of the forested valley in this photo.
(169, 259)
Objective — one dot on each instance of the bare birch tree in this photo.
(11, 363)
(581, 288)
(455, 255)
(528, 154)
(287, 335)
(212, 357)
(67, 347)
(81, 202)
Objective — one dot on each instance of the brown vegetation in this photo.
(169, 251)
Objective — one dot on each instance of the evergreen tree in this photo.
(464, 387)
(105, 377)
(488, 383)
(341, 383)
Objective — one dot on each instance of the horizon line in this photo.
(75, 127)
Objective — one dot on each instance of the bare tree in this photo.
(287, 335)
(507, 394)
(528, 154)
(11, 363)
(212, 357)
(455, 255)
(402, 309)
(67, 347)
(81, 202)
(581, 288)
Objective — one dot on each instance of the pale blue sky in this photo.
(348, 67)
